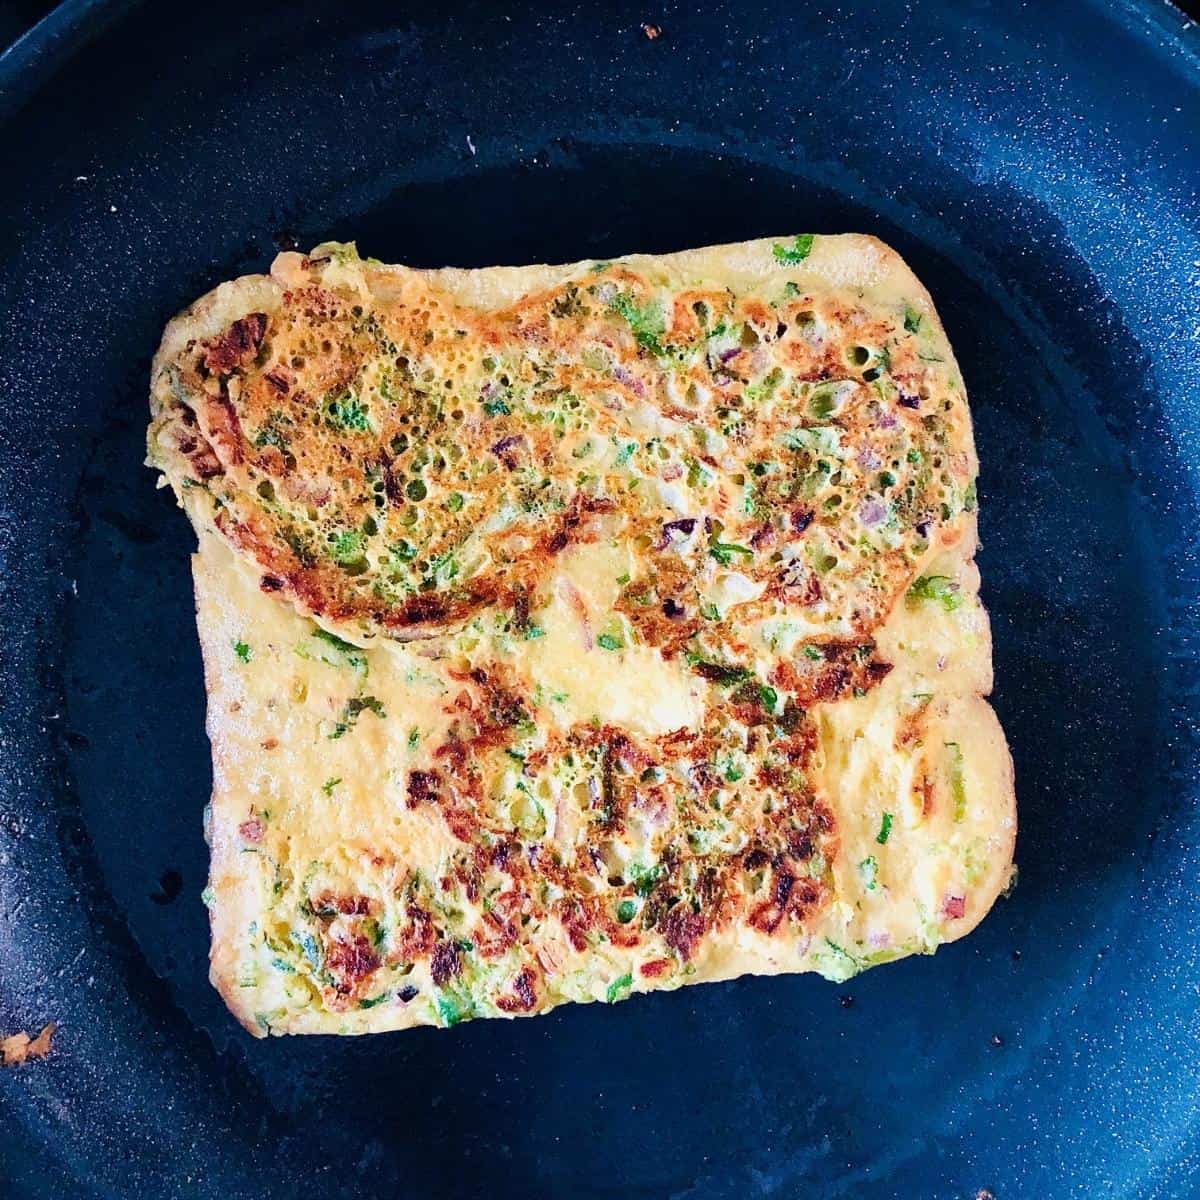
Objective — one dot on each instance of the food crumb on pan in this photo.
(20, 1047)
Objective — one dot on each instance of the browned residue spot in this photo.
(239, 342)
(350, 960)
(446, 962)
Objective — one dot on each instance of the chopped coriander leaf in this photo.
(414, 738)
(623, 578)
(243, 651)
(328, 648)
(625, 453)
(329, 784)
(608, 641)
(718, 672)
(797, 252)
(885, 829)
(937, 587)
(644, 878)
(645, 321)
(450, 1011)
(723, 552)
(534, 631)
(374, 1000)
(813, 652)
(495, 408)
(709, 611)
(769, 697)
(618, 987)
(912, 319)
(353, 709)
(346, 547)
(791, 289)
(346, 411)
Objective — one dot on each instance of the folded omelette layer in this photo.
(577, 631)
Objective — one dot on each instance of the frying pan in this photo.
(1036, 164)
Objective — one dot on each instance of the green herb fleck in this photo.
(822, 404)
(626, 911)
(723, 552)
(450, 1011)
(937, 587)
(454, 502)
(912, 319)
(644, 878)
(719, 673)
(346, 411)
(958, 787)
(814, 653)
(352, 711)
(885, 829)
(346, 547)
(328, 648)
(329, 784)
(243, 651)
(797, 252)
(869, 870)
(310, 949)
(618, 988)
(645, 321)
(534, 631)
(608, 641)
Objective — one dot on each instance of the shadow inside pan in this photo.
(831, 1078)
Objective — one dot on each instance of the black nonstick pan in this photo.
(1037, 165)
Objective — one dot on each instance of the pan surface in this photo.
(1036, 164)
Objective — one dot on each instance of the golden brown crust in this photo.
(398, 464)
(761, 525)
